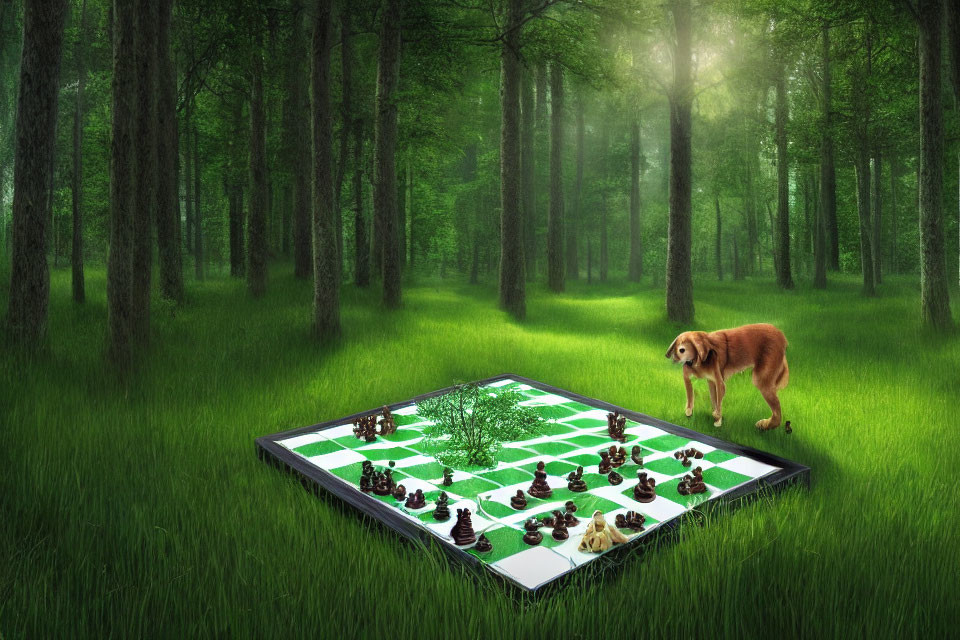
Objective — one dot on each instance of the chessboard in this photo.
(666, 471)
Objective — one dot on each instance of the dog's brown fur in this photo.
(718, 355)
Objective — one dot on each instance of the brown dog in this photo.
(717, 356)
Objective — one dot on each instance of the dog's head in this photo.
(690, 348)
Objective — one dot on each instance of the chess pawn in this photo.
(518, 502)
(400, 492)
(569, 519)
(636, 454)
(605, 465)
(532, 535)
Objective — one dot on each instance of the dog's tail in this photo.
(784, 377)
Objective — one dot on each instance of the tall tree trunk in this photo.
(168, 200)
(819, 245)
(36, 123)
(953, 46)
(737, 271)
(257, 223)
(828, 183)
(541, 144)
(346, 117)
(862, 166)
(635, 264)
(402, 211)
(197, 208)
(236, 230)
(679, 277)
(750, 210)
(555, 218)
(145, 154)
(934, 295)
(773, 240)
(719, 240)
(512, 293)
(528, 161)
(300, 155)
(384, 151)
(893, 265)
(361, 255)
(120, 258)
(188, 167)
(326, 272)
(876, 212)
(572, 222)
(784, 274)
(605, 149)
(76, 254)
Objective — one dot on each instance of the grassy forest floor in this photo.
(140, 508)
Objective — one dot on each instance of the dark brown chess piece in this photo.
(618, 458)
(462, 532)
(387, 424)
(365, 427)
(634, 520)
(692, 483)
(532, 535)
(381, 485)
(560, 528)
(551, 520)
(636, 454)
(518, 502)
(614, 478)
(540, 488)
(575, 481)
(615, 426)
(569, 519)
(645, 491)
(787, 428)
(447, 476)
(604, 463)
(399, 492)
(366, 476)
(390, 481)
(483, 545)
(415, 500)
(682, 457)
(441, 512)
(620, 521)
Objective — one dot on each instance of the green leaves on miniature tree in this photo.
(471, 424)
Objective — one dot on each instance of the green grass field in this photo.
(140, 509)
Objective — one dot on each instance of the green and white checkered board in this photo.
(574, 435)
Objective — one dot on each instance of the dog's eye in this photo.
(681, 350)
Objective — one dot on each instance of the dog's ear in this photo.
(673, 347)
(702, 345)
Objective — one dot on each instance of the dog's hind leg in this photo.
(770, 395)
(784, 376)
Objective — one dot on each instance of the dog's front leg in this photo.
(689, 387)
(718, 404)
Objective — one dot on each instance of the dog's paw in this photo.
(718, 422)
(766, 424)
(688, 411)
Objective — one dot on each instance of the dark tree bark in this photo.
(573, 219)
(384, 151)
(635, 264)
(750, 209)
(894, 173)
(953, 46)
(604, 149)
(300, 155)
(819, 245)
(197, 208)
(541, 142)
(235, 199)
(402, 173)
(326, 272)
(862, 166)
(36, 123)
(361, 255)
(719, 240)
(784, 273)
(679, 277)
(188, 167)
(737, 270)
(76, 254)
(145, 155)
(168, 201)
(528, 182)
(346, 117)
(512, 293)
(555, 218)
(120, 258)
(828, 183)
(934, 296)
(257, 223)
(877, 214)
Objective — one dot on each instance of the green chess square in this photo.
(587, 423)
(585, 460)
(718, 455)
(318, 448)
(393, 453)
(723, 478)
(590, 441)
(668, 490)
(506, 541)
(670, 466)
(402, 435)
(553, 448)
(553, 467)
(497, 509)
(426, 471)
(555, 411)
(471, 487)
(402, 421)
(508, 476)
(666, 442)
(513, 454)
(351, 442)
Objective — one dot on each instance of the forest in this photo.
(220, 219)
(534, 142)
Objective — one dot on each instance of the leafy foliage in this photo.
(471, 424)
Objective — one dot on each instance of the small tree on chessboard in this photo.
(470, 424)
